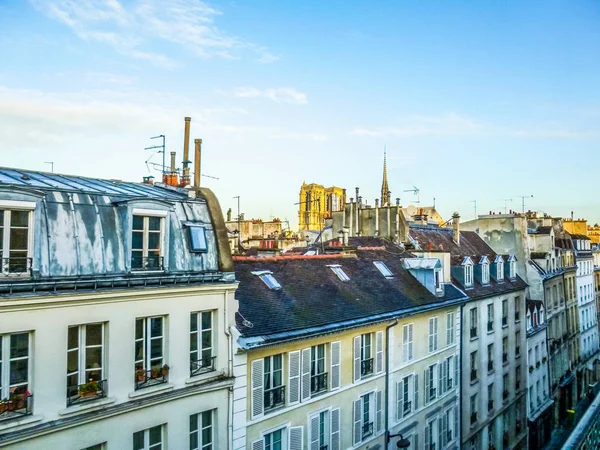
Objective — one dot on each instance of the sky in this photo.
(474, 101)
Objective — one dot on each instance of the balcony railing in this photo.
(16, 265)
(17, 405)
(473, 333)
(146, 378)
(274, 397)
(147, 263)
(92, 390)
(324, 447)
(202, 366)
(318, 383)
(366, 367)
(367, 430)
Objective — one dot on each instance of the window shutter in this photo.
(379, 351)
(427, 381)
(378, 411)
(444, 377)
(314, 432)
(427, 437)
(405, 343)
(295, 438)
(440, 432)
(410, 341)
(294, 377)
(456, 378)
(357, 359)
(399, 400)
(435, 335)
(416, 441)
(258, 396)
(335, 429)
(305, 374)
(456, 433)
(258, 445)
(416, 392)
(357, 421)
(335, 365)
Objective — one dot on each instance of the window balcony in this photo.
(203, 365)
(318, 383)
(147, 263)
(146, 378)
(92, 390)
(275, 397)
(473, 333)
(407, 407)
(366, 367)
(16, 406)
(16, 265)
(367, 430)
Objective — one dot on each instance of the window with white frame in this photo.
(337, 269)
(14, 371)
(198, 241)
(405, 396)
(202, 356)
(450, 332)
(407, 342)
(474, 409)
(431, 382)
(150, 439)
(438, 279)
(275, 440)
(385, 271)
(366, 354)
(504, 313)
(473, 322)
(146, 242)
(490, 317)
(433, 334)
(267, 277)
(500, 270)
(485, 273)
(274, 390)
(85, 362)
(16, 240)
(318, 375)
(431, 435)
(149, 351)
(469, 274)
(202, 431)
(320, 433)
(512, 269)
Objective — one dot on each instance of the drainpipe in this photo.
(460, 376)
(387, 380)
(229, 372)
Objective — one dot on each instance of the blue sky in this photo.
(477, 100)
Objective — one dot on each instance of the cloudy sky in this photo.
(480, 101)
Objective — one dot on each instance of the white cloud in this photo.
(130, 28)
(278, 95)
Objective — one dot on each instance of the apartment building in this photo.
(116, 302)
(347, 350)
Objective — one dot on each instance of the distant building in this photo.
(245, 234)
(318, 203)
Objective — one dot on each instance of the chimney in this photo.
(198, 143)
(185, 175)
(172, 163)
(345, 233)
(456, 228)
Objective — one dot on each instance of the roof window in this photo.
(337, 269)
(198, 238)
(383, 269)
(267, 277)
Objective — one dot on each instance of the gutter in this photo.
(387, 380)
(460, 372)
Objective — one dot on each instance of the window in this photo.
(504, 313)
(150, 439)
(474, 365)
(407, 342)
(491, 438)
(273, 382)
(490, 393)
(517, 308)
(97, 447)
(337, 269)
(198, 239)
(317, 369)
(320, 430)
(490, 356)
(366, 409)
(450, 333)
(149, 351)
(146, 242)
(512, 269)
(404, 405)
(85, 363)
(366, 354)
(485, 273)
(431, 435)
(275, 440)
(473, 322)
(500, 270)
(268, 278)
(431, 383)
(201, 431)
(468, 274)
(490, 317)
(202, 358)
(15, 241)
(505, 350)
(437, 277)
(433, 333)
(505, 387)
(14, 374)
(383, 269)
(473, 406)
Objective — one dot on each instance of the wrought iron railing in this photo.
(203, 365)
(274, 397)
(92, 390)
(367, 430)
(17, 405)
(318, 383)
(145, 378)
(366, 367)
(16, 265)
(147, 263)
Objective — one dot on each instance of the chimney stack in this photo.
(173, 170)
(229, 215)
(198, 143)
(185, 175)
(456, 227)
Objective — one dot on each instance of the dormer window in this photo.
(438, 278)
(383, 269)
(512, 267)
(500, 270)
(541, 316)
(337, 269)
(16, 236)
(469, 274)
(147, 233)
(485, 273)
(267, 277)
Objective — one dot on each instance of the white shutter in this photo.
(416, 392)
(356, 358)
(439, 369)
(336, 350)
(258, 396)
(405, 343)
(410, 341)
(305, 374)
(456, 378)
(294, 377)
(399, 400)
(258, 445)
(295, 438)
(378, 412)
(456, 433)
(426, 386)
(440, 423)
(335, 429)
(444, 377)
(427, 437)
(435, 335)
(314, 432)
(357, 421)
(379, 351)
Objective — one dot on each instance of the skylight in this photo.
(268, 278)
(198, 239)
(337, 269)
(383, 269)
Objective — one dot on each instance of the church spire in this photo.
(385, 190)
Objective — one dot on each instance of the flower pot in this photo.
(3, 407)
(165, 372)
(87, 394)
(10, 405)
(21, 403)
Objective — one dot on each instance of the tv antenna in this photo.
(523, 197)
(506, 200)
(162, 150)
(51, 165)
(415, 190)
(474, 206)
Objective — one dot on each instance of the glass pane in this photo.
(198, 238)
(93, 334)
(154, 241)
(137, 259)
(194, 322)
(155, 435)
(138, 223)
(18, 239)
(19, 344)
(276, 362)
(137, 240)
(194, 440)
(156, 326)
(206, 339)
(193, 342)
(19, 218)
(206, 357)
(73, 338)
(18, 371)
(138, 439)
(72, 361)
(72, 380)
(154, 223)
(93, 358)
(206, 419)
(206, 320)
(139, 328)
(156, 348)
(2, 217)
(206, 435)
(193, 422)
(139, 350)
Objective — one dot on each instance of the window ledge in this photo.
(204, 377)
(87, 406)
(151, 390)
(26, 420)
(474, 338)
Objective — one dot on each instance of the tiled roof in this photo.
(311, 294)
(580, 237)
(542, 230)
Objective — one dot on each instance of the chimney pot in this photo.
(185, 174)
(456, 227)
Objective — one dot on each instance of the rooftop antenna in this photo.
(51, 165)
(433, 202)
(162, 150)
(415, 190)
(506, 200)
(474, 206)
(523, 197)
(238, 221)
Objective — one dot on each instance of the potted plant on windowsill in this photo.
(3, 405)
(140, 374)
(165, 370)
(156, 372)
(89, 389)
